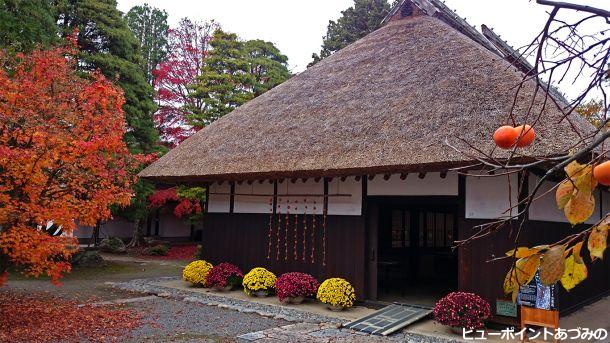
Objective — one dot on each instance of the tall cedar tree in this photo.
(355, 22)
(62, 157)
(189, 44)
(233, 73)
(107, 44)
(149, 26)
(23, 24)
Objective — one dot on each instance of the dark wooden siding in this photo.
(486, 278)
(242, 239)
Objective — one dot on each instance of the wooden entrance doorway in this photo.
(415, 263)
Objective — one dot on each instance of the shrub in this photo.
(292, 285)
(224, 274)
(113, 245)
(259, 279)
(337, 292)
(196, 272)
(157, 250)
(462, 310)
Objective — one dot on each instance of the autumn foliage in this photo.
(42, 318)
(563, 262)
(62, 157)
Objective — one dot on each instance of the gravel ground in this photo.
(168, 320)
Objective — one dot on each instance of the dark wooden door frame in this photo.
(371, 209)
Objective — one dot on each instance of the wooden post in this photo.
(538, 317)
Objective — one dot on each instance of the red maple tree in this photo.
(62, 157)
(188, 47)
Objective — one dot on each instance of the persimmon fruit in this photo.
(506, 136)
(601, 173)
(527, 137)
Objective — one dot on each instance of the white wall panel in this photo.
(545, 208)
(253, 204)
(489, 197)
(431, 184)
(170, 226)
(297, 204)
(345, 205)
(219, 203)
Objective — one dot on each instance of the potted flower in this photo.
(293, 288)
(337, 294)
(259, 282)
(224, 277)
(196, 272)
(461, 310)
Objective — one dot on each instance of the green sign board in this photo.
(506, 308)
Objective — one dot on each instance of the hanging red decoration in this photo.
(286, 230)
(279, 228)
(324, 214)
(295, 228)
(270, 227)
(313, 234)
(305, 231)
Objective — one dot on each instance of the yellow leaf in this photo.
(526, 269)
(576, 252)
(574, 169)
(521, 252)
(510, 281)
(597, 242)
(564, 193)
(579, 208)
(574, 273)
(552, 266)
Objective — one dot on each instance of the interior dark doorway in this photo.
(415, 263)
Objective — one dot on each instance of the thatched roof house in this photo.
(385, 103)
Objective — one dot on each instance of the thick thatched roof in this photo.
(385, 103)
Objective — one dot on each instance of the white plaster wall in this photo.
(219, 203)
(170, 226)
(431, 184)
(114, 228)
(545, 208)
(297, 204)
(489, 197)
(345, 205)
(253, 204)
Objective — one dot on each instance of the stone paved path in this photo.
(322, 333)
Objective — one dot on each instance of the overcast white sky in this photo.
(297, 26)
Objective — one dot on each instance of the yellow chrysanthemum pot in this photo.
(196, 272)
(337, 294)
(259, 282)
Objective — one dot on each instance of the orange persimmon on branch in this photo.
(62, 157)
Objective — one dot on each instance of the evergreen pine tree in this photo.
(107, 44)
(266, 64)
(225, 82)
(25, 23)
(355, 22)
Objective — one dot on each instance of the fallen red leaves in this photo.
(178, 252)
(44, 318)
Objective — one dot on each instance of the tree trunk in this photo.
(95, 236)
(138, 234)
